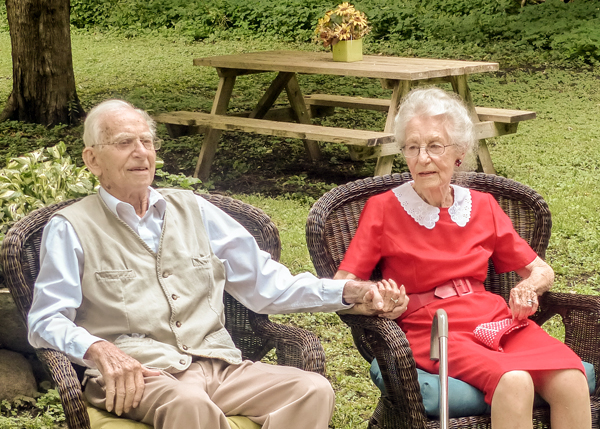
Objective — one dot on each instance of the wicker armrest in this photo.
(560, 303)
(580, 315)
(388, 343)
(294, 346)
(68, 385)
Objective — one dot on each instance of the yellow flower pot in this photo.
(348, 50)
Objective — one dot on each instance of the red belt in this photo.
(454, 287)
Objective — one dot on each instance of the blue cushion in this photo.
(463, 399)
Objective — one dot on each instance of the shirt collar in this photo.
(426, 215)
(155, 199)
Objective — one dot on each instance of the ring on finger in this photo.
(395, 301)
(531, 302)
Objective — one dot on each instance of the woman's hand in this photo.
(537, 279)
(384, 298)
(394, 298)
(523, 301)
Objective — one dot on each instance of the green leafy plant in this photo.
(50, 404)
(28, 413)
(40, 178)
(168, 180)
(6, 408)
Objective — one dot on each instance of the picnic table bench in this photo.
(277, 128)
(492, 122)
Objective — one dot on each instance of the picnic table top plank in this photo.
(372, 66)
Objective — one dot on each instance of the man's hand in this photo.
(123, 376)
(383, 298)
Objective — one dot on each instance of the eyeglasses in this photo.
(129, 144)
(432, 149)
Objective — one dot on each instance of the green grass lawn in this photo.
(558, 154)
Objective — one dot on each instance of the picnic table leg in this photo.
(299, 107)
(211, 138)
(270, 96)
(399, 90)
(459, 84)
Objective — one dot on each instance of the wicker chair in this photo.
(252, 333)
(331, 225)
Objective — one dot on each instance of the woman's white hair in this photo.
(94, 119)
(434, 101)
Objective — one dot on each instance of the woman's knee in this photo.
(512, 403)
(521, 379)
(515, 386)
(561, 385)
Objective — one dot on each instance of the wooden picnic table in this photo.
(395, 73)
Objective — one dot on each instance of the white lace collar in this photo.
(426, 215)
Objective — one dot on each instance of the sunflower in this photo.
(321, 24)
(344, 32)
(345, 9)
(359, 19)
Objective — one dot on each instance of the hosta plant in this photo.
(38, 179)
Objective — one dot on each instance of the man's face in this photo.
(123, 165)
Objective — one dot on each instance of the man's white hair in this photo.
(94, 120)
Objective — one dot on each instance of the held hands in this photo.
(523, 301)
(123, 376)
(384, 298)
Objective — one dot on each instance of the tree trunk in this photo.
(43, 80)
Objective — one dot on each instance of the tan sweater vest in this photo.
(173, 297)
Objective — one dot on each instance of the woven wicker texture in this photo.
(330, 227)
(254, 334)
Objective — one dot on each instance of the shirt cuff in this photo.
(79, 349)
(333, 291)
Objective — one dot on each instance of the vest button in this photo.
(182, 362)
(174, 296)
(166, 274)
(178, 324)
(184, 347)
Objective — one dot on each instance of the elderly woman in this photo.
(435, 239)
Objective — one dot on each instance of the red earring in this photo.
(458, 162)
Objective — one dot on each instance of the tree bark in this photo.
(43, 79)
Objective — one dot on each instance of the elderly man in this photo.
(131, 285)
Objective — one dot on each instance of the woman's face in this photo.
(430, 171)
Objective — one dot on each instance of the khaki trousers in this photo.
(276, 397)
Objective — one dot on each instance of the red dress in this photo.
(422, 258)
